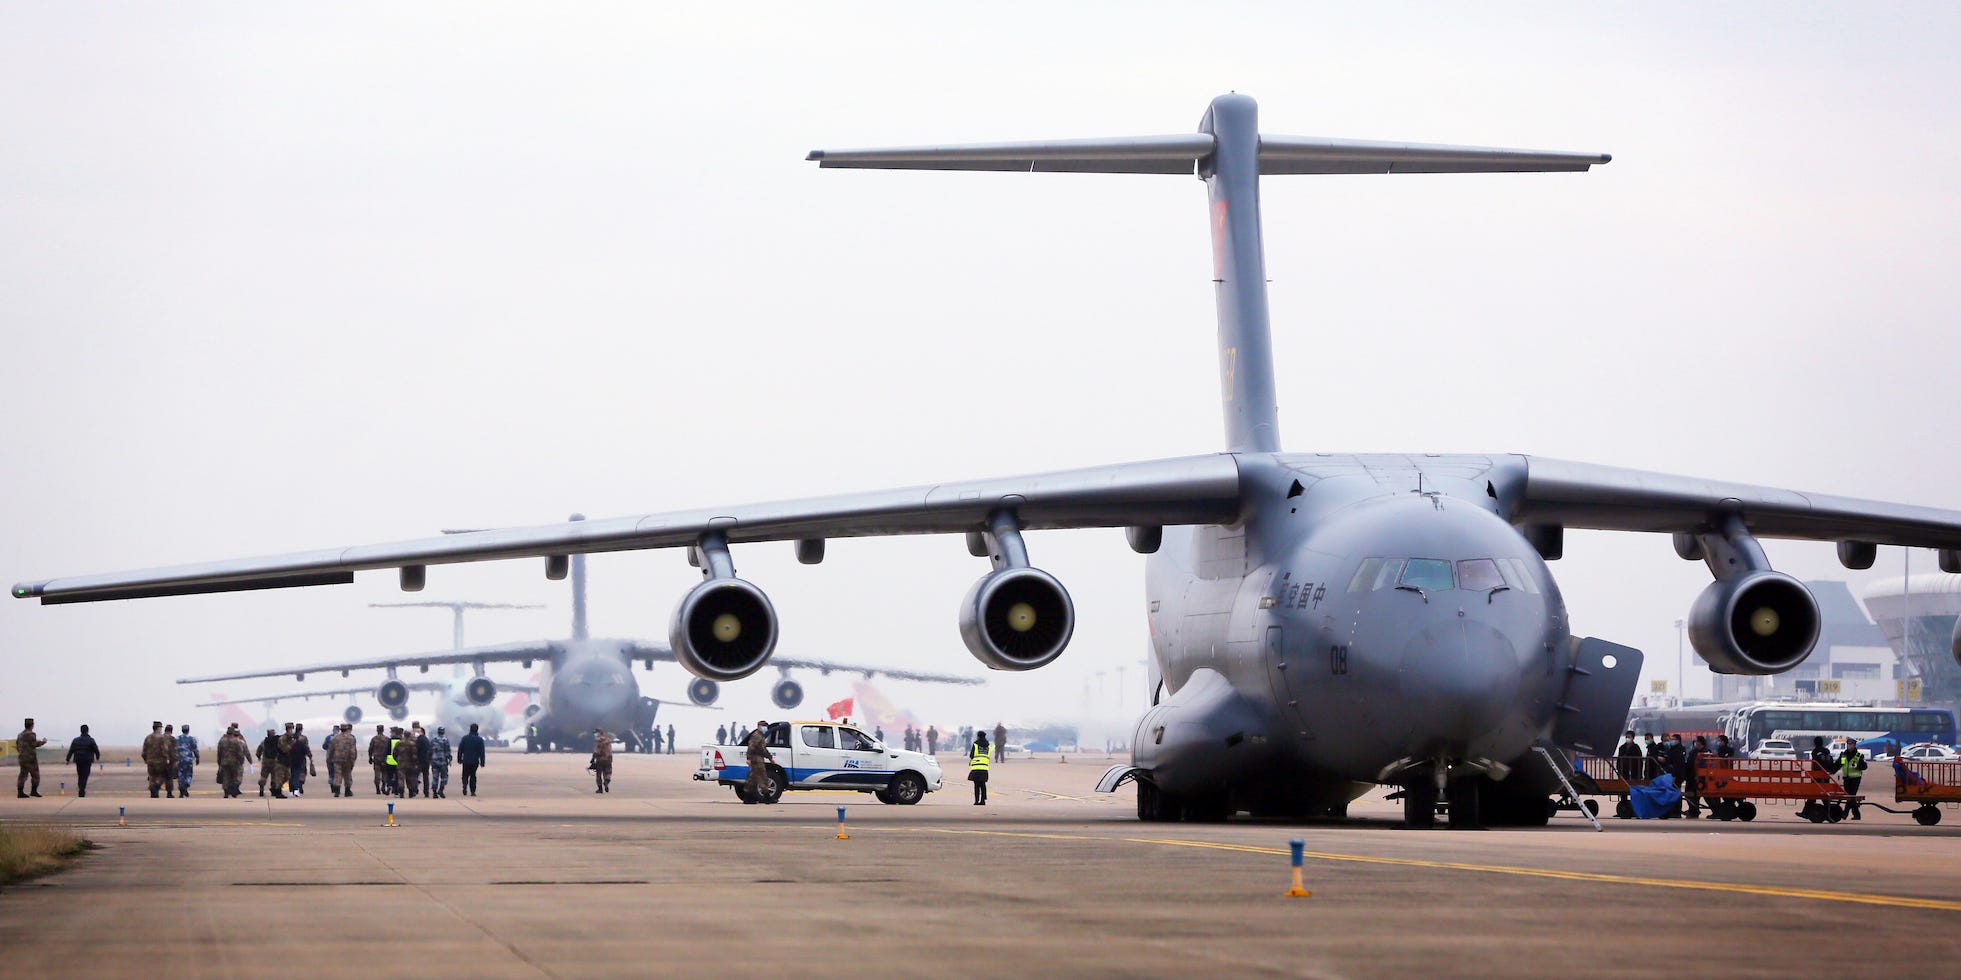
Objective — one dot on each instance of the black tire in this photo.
(1420, 803)
(883, 797)
(778, 782)
(905, 789)
(1926, 814)
(1746, 811)
(741, 792)
(1593, 807)
(1834, 813)
(1623, 810)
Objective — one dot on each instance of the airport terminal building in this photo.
(1917, 615)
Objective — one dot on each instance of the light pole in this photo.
(1681, 663)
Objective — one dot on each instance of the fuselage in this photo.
(1366, 617)
(587, 684)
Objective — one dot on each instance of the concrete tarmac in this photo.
(665, 876)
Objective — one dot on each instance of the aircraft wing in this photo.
(1187, 490)
(309, 695)
(500, 653)
(1585, 495)
(648, 651)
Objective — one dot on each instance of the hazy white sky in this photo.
(279, 277)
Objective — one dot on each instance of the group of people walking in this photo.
(1641, 762)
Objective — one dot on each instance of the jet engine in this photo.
(480, 691)
(1955, 642)
(531, 710)
(1760, 622)
(723, 630)
(399, 714)
(393, 695)
(703, 692)
(352, 715)
(1017, 618)
(787, 694)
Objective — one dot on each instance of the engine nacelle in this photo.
(393, 695)
(703, 692)
(399, 714)
(531, 710)
(480, 691)
(723, 630)
(352, 715)
(1761, 622)
(786, 694)
(1017, 619)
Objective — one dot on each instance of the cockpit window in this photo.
(1428, 574)
(1480, 575)
(1517, 575)
(1364, 580)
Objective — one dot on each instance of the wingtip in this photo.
(814, 155)
(28, 590)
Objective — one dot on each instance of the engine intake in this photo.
(393, 695)
(703, 692)
(723, 630)
(1017, 619)
(1761, 622)
(352, 715)
(480, 691)
(786, 694)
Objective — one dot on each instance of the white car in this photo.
(825, 755)
(1930, 752)
(1774, 748)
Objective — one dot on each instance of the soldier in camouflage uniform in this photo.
(282, 772)
(232, 753)
(340, 761)
(299, 760)
(159, 760)
(377, 759)
(187, 757)
(439, 758)
(602, 761)
(405, 784)
(264, 753)
(30, 761)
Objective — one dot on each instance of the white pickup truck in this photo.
(825, 755)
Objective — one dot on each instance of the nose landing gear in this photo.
(1432, 783)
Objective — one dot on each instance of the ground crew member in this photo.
(1724, 750)
(377, 752)
(932, 740)
(392, 762)
(670, 740)
(422, 758)
(721, 735)
(1822, 756)
(1852, 769)
(83, 752)
(1000, 741)
(758, 754)
(470, 754)
(232, 753)
(170, 758)
(439, 756)
(28, 783)
(187, 759)
(1692, 778)
(602, 761)
(157, 760)
(299, 760)
(404, 750)
(340, 761)
(282, 761)
(265, 753)
(977, 767)
(660, 746)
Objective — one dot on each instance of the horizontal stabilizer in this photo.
(1186, 154)
(1315, 155)
(1120, 155)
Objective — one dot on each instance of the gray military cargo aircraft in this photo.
(1319, 622)
(587, 682)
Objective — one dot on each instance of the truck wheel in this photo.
(741, 792)
(905, 789)
(885, 797)
(778, 782)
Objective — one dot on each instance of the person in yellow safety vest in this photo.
(977, 767)
(1851, 769)
(394, 781)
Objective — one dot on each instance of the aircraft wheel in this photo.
(906, 789)
(1926, 814)
(1420, 803)
(1746, 811)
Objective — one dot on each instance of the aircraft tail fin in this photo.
(1229, 154)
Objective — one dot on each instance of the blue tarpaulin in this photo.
(1658, 797)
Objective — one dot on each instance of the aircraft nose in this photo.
(1458, 679)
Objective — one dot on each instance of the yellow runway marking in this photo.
(1774, 891)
